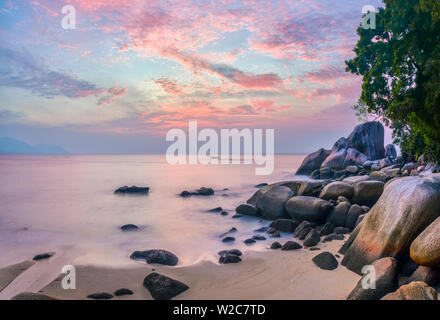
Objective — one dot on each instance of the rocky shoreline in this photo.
(390, 210)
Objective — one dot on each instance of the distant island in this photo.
(14, 146)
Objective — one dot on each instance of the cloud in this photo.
(20, 69)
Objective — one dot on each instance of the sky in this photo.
(132, 70)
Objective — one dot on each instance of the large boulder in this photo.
(430, 275)
(308, 208)
(353, 215)
(335, 189)
(339, 159)
(385, 276)
(368, 138)
(271, 204)
(413, 291)
(366, 193)
(312, 162)
(425, 249)
(338, 216)
(407, 206)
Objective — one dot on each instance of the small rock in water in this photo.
(249, 241)
(258, 238)
(247, 209)
(232, 251)
(218, 209)
(229, 258)
(275, 245)
(224, 213)
(162, 287)
(199, 192)
(326, 261)
(156, 256)
(43, 256)
(129, 227)
(261, 185)
(123, 292)
(232, 230)
(132, 190)
(235, 216)
(291, 245)
(228, 239)
(100, 296)
(262, 229)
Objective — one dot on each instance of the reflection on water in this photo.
(55, 203)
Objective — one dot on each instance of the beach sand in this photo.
(271, 274)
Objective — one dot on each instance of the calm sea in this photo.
(66, 204)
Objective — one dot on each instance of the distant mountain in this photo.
(9, 145)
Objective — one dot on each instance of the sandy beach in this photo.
(272, 274)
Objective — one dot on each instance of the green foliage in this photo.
(400, 65)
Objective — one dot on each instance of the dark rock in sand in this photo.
(228, 239)
(284, 225)
(326, 261)
(413, 291)
(338, 216)
(407, 206)
(275, 245)
(314, 249)
(430, 275)
(312, 239)
(100, 296)
(258, 238)
(261, 185)
(162, 287)
(218, 209)
(312, 162)
(303, 229)
(386, 281)
(229, 258)
(333, 236)
(132, 190)
(123, 292)
(129, 227)
(224, 213)
(32, 296)
(308, 208)
(271, 204)
(342, 230)
(232, 251)
(326, 229)
(43, 256)
(156, 256)
(247, 209)
(291, 245)
(336, 189)
(249, 241)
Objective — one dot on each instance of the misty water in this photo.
(66, 204)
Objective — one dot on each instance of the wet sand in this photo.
(271, 274)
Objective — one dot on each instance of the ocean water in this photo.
(66, 204)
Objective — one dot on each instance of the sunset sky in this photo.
(131, 70)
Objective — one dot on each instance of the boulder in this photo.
(326, 173)
(291, 245)
(293, 185)
(368, 138)
(123, 292)
(336, 189)
(326, 261)
(425, 249)
(231, 251)
(308, 208)
(228, 239)
(385, 274)
(353, 216)
(132, 190)
(413, 291)
(366, 193)
(156, 256)
(100, 296)
(343, 158)
(390, 151)
(229, 258)
(247, 209)
(312, 239)
(407, 206)
(284, 225)
(312, 162)
(203, 191)
(303, 229)
(271, 204)
(162, 287)
(385, 162)
(326, 229)
(338, 216)
(429, 275)
(352, 169)
(356, 179)
(275, 245)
